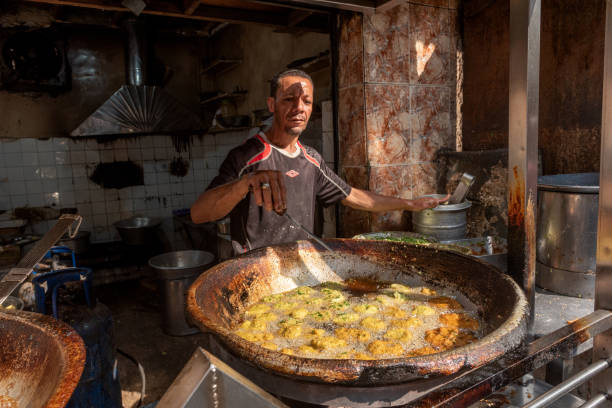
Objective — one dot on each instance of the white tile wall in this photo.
(56, 173)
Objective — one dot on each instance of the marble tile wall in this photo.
(353, 164)
(397, 77)
(56, 173)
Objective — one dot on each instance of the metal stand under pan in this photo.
(206, 381)
(460, 389)
(521, 392)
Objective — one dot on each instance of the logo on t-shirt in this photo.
(292, 173)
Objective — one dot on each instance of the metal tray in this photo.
(493, 250)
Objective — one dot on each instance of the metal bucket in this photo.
(567, 233)
(79, 244)
(176, 272)
(445, 222)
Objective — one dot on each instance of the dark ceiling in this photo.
(210, 12)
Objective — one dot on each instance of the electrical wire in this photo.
(142, 375)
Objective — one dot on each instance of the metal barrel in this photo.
(567, 233)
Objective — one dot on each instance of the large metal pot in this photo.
(138, 230)
(217, 298)
(79, 244)
(41, 359)
(567, 233)
(445, 222)
(176, 271)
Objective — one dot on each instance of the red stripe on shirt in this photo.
(264, 154)
(309, 157)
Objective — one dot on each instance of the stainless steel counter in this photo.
(553, 311)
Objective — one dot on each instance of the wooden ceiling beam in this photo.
(202, 12)
(384, 5)
(363, 6)
(297, 16)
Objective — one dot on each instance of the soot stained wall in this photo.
(571, 75)
(96, 58)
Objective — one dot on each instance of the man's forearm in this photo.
(217, 203)
(368, 201)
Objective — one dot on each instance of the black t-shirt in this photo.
(307, 179)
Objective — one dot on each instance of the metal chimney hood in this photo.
(138, 108)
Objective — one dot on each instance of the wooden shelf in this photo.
(313, 65)
(221, 65)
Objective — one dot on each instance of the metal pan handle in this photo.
(75, 218)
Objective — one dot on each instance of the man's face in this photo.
(292, 105)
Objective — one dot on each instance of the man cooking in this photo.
(272, 173)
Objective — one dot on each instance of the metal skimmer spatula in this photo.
(462, 189)
(310, 234)
(22, 270)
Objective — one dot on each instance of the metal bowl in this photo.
(138, 230)
(11, 303)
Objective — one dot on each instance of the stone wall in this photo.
(397, 84)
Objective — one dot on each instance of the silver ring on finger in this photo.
(265, 185)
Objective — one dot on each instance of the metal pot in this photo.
(176, 271)
(567, 233)
(445, 222)
(41, 359)
(79, 244)
(138, 230)
(218, 297)
(11, 303)
(11, 228)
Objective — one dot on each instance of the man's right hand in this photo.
(268, 188)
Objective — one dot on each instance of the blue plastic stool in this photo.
(99, 384)
(61, 250)
(56, 280)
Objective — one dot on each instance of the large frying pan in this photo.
(217, 297)
(41, 359)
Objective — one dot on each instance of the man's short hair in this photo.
(275, 82)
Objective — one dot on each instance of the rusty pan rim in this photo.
(71, 346)
(349, 371)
